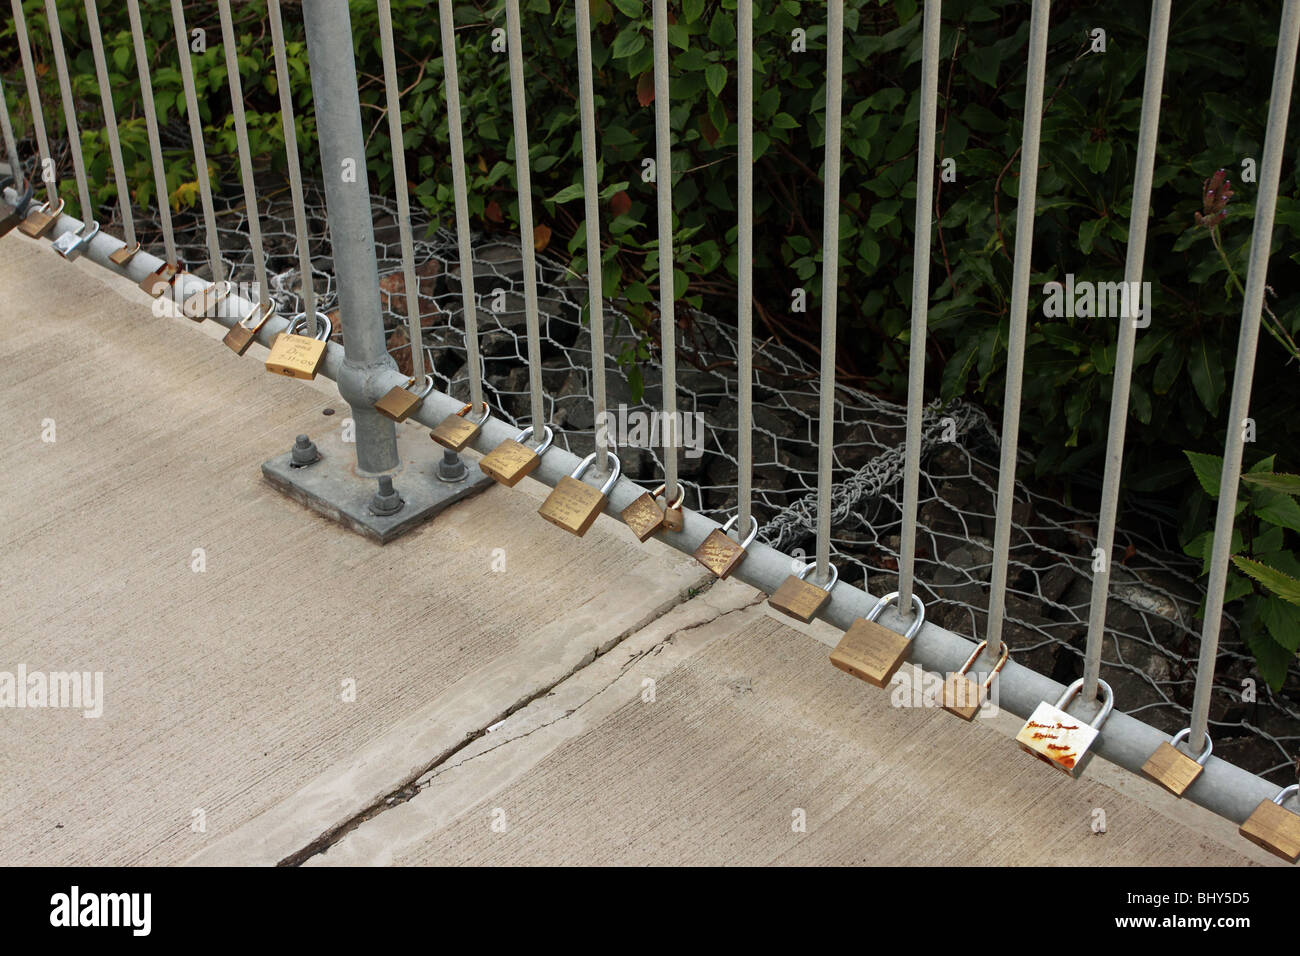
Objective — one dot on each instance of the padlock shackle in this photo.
(753, 532)
(548, 436)
(324, 327)
(1107, 701)
(834, 578)
(426, 389)
(615, 469)
(681, 495)
(1187, 732)
(266, 308)
(919, 612)
(1293, 790)
(45, 208)
(466, 409)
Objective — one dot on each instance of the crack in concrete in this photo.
(411, 787)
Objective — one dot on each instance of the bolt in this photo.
(304, 453)
(451, 469)
(386, 500)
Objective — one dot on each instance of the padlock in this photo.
(644, 516)
(512, 460)
(241, 334)
(719, 553)
(11, 216)
(400, 401)
(802, 599)
(1058, 739)
(120, 257)
(156, 282)
(573, 505)
(1274, 827)
(961, 696)
(1173, 769)
(674, 519)
(203, 304)
(872, 652)
(456, 431)
(300, 356)
(72, 244)
(40, 221)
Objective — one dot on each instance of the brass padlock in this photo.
(802, 599)
(203, 304)
(300, 356)
(73, 243)
(961, 696)
(719, 553)
(456, 431)
(573, 505)
(512, 460)
(156, 282)
(241, 334)
(12, 216)
(1274, 827)
(400, 402)
(674, 519)
(40, 221)
(1173, 769)
(120, 257)
(1058, 739)
(645, 517)
(872, 652)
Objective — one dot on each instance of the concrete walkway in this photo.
(521, 696)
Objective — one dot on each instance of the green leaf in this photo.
(1287, 484)
(1088, 234)
(1206, 369)
(1097, 155)
(1209, 469)
(1281, 584)
(691, 10)
(715, 75)
(1283, 622)
(1280, 510)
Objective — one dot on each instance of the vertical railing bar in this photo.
(69, 112)
(34, 99)
(110, 123)
(1270, 173)
(591, 190)
(667, 292)
(151, 126)
(1148, 130)
(245, 150)
(285, 89)
(196, 137)
(518, 104)
(745, 267)
(11, 144)
(397, 144)
(830, 283)
(1028, 191)
(468, 299)
(920, 300)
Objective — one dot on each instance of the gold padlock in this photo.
(674, 519)
(802, 599)
(300, 356)
(1275, 828)
(120, 257)
(73, 243)
(40, 221)
(512, 460)
(456, 431)
(156, 282)
(400, 402)
(643, 516)
(719, 553)
(203, 304)
(573, 505)
(1062, 741)
(241, 334)
(872, 652)
(961, 696)
(12, 216)
(1173, 769)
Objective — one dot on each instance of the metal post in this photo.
(352, 235)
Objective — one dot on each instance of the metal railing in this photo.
(365, 372)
